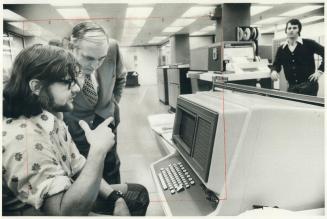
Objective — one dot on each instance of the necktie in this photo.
(89, 90)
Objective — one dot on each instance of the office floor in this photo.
(137, 146)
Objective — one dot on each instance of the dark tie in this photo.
(89, 90)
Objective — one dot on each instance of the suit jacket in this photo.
(111, 79)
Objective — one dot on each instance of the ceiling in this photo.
(45, 21)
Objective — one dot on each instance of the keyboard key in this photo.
(180, 188)
(172, 191)
(192, 182)
(163, 184)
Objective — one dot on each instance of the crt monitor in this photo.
(193, 133)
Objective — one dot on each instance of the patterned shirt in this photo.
(39, 159)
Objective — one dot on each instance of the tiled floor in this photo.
(137, 146)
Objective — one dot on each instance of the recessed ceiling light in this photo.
(172, 29)
(9, 15)
(257, 9)
(269, 20)
(301, 10)
(310, 19)
(198, 11)
(135, 22)
(182, 22)
(65, 4)
(73, 13)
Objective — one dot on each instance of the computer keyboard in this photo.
(175, 177)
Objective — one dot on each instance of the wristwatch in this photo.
(112, 198)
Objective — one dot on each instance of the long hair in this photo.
(43, 62)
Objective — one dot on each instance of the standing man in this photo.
(42, 171)
(105, 78)
(296, 55)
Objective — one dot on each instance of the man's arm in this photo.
(120, 76)
(121, 208)
(80, 197)
(319, 50)
(277, 65)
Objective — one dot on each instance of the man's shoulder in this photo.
(19, 131)
(308, 41)
(113, 44)
(35, 127)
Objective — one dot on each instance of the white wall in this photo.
(266, 39)
(143, 60)
(200, 41)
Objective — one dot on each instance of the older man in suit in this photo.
(105, 78)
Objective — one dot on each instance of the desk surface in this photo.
(233, 76)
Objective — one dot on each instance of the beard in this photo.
(48, 103)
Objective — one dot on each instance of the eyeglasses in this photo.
(70, 82)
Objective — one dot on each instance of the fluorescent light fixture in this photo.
(208, 28)
(136, 22)
(172, 29)
(182, 22)
(198, 33)
(66, 4)
(310, 19)
(28, 27)
(272, 3)
(19, 25)
(269, 20)
(73, 13)
(9, 15)
(198, 11)
(140, 12)
(301, 10)
(157, 39)
(268, 30)
(257, 9)
(131, 31)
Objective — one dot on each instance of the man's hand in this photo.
(121, 208)
(100, 138)
(274, 76)
(315, 76)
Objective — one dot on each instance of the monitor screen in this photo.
(187, 128)
(194, 134)
(241, 51)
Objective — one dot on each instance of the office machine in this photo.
(162, 84)
(132, 79)
(178, 83)
(237, 62)
(237, 151)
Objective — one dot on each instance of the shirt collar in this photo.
(47, 120)
(299, 40)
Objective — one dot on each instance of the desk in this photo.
(234, 77)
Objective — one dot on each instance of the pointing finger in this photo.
(107, 121)
(84, 126)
